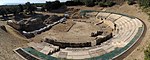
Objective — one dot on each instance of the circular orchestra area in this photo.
(103, 36)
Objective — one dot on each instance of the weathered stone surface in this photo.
(3, 27)
(67, 44)
(51, 19)
(14, 24)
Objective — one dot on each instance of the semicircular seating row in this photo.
(126, 29)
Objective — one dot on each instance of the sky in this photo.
(2, 2)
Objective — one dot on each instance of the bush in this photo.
(130, 2)
(70, 3)
(53, 5)
(106, 4)
(96, 3)
(56, 5)
(102, 4)
(147, 53)
(109, 4)
(73, 3)
(144, 3)
(89, 3)
(39, 4)
(79, 3)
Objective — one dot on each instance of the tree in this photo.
(56, 0)
(20, 8)
(102, 4)
(48, 5)
(15, 10)
(56, 4)
(3, 12)
(70, 3)
(52, 5)
(30, 7)
(89, 3)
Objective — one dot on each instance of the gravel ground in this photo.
(7, 44)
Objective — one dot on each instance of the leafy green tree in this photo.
(70, 3)
(109, 3)
(30, 7)
(4, 12)
(53, 5)
(20, 8)
(1, 12)
(56, 4)
(102, 4)
(15, 10)
(48, 5)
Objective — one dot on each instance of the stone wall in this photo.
(13, 24)
(67, 44)
(101, 40)
(64, 44)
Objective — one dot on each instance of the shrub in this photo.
(144, 3)
(106, 4)
(73, 3)
(89, 3)
(147, 53)
(130, 2)
(102, 4)
(79, 3)
(109, 4)
(53, 5)
(96, 3)
(70, 3)
(56, 5)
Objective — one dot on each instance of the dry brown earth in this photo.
(77, 32)
(7, 44)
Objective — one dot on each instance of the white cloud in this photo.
(1, 2)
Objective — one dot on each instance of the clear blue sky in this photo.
(24, 1)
